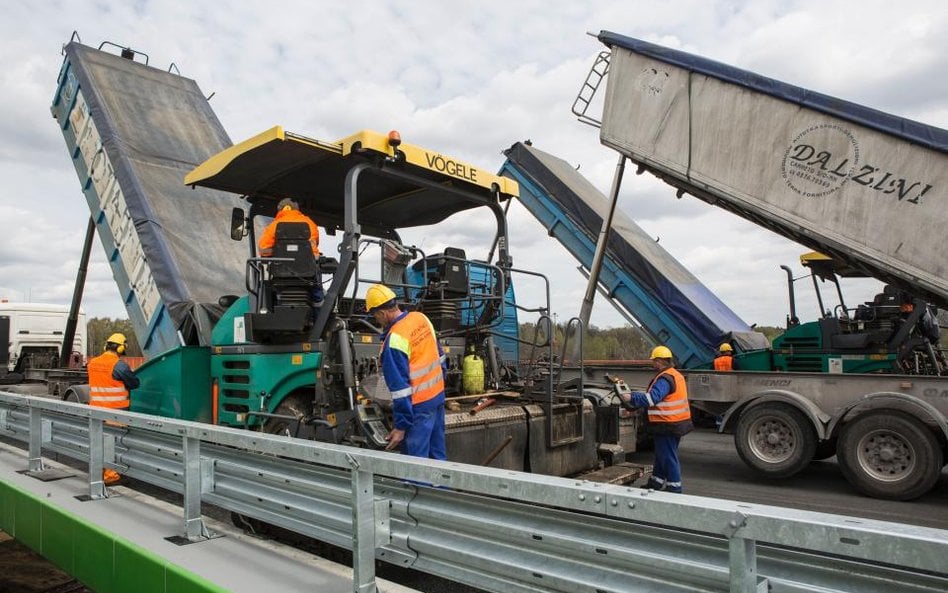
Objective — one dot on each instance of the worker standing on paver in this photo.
(724, 361)
(669, 418)
(111, 381)
(412, 364)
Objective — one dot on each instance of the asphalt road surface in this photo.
(711, 467)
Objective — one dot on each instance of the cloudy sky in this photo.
(465, 78)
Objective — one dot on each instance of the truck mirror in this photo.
(238, 224)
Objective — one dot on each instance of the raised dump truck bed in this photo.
(133, 132)
(864, 187)
(669, 302)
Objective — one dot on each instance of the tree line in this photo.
(98, 330)
(614, 343)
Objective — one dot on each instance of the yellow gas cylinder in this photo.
(472, 373)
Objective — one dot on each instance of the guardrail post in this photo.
(194, 527)
(363, 529)
(742, 559)
(96, 485)
(743, 564)
(36, 440)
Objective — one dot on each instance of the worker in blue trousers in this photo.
(413, 366)
(669, 418)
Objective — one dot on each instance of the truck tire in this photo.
(890, 455)
(775, 439)
(77, 393)
(297, 405)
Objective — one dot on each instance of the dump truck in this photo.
(236, 339)
(858, 186)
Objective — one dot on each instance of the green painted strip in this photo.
(97, 558)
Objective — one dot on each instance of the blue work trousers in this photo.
(316, 293)
(666, 474)
(425, 438)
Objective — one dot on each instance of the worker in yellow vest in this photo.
(669, 418)
(111, 381)
(412, 364)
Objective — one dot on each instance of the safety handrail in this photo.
(126, 52)
(559, 395)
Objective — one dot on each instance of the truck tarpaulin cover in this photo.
(153, 127)
(634, 251)
(864, 187)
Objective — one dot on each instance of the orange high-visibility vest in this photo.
(724, 363)
(268, 238)
(674, 408)
(104, 391)
(424, 362)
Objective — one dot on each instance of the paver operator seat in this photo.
(284, 285)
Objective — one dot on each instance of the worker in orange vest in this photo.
(111, 381)
(413, 366)
(724, 361)
(288, 210)
(669, 418)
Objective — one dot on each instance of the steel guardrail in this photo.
(497, 530)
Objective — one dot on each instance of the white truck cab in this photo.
(35, 330)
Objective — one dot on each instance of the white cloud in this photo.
(467, 79)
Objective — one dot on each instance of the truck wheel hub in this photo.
(772, 440)
(886, 456)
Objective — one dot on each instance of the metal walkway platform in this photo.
(99, 543)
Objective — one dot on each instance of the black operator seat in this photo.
(291, 281)
(454, 272)
(291, 241)
(284, 305)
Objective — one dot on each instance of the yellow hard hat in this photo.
(725, 347)
(378, 295)
(118, 339)
(660, 352)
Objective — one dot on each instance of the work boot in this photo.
(110, 476)
(654, 484)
